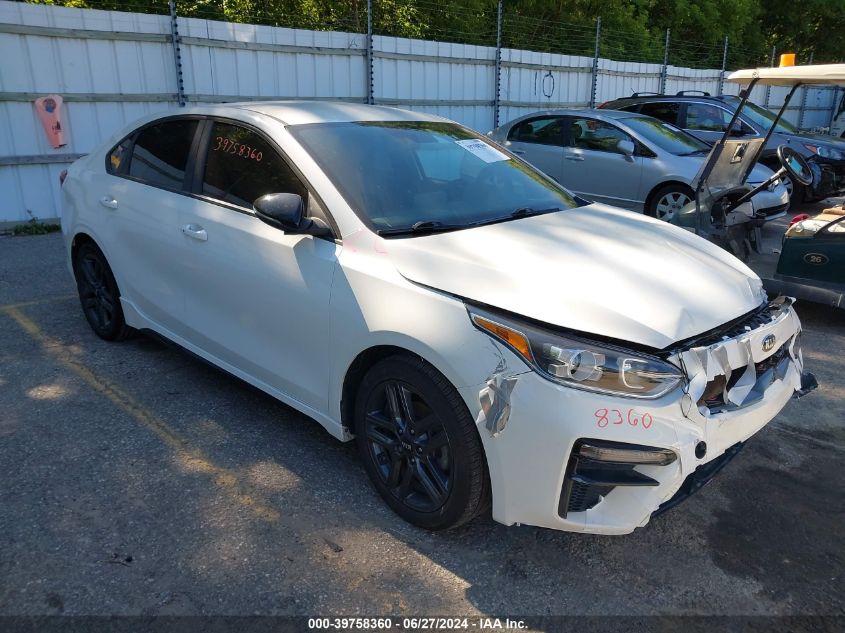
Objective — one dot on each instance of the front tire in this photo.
(99, 294)
(669, 200)
(419, 444)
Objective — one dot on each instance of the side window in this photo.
(118, 159)
(634, 107)
(665, 111)
(595, 135)
(707, 117)
(544, 131)
(241, 167)
(161, 153)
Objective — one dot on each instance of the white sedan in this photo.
(483, 334)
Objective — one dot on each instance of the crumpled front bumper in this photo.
(531, 456)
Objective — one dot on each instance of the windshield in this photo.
(397, 174)
(764, 118)
(666, 136)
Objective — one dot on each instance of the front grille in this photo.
(766, 371)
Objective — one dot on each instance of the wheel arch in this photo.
(366, 359)
(78, 240)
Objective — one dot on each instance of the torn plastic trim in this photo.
(712, 369)
(495, 401)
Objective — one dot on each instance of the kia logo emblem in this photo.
(769, 343)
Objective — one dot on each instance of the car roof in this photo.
(301, 112)
(595, 113)
(642, 98)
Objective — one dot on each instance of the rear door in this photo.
(595, 167)
(539, 140)
(141, 204)
(256, 298)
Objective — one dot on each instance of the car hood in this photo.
(820, 139)
(595, 269)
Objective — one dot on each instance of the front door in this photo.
(258, 298)
(594, 166)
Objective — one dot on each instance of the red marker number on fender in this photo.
(615, 417)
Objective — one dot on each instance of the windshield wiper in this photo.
(436, 226)
(423, 226)
(521, 212)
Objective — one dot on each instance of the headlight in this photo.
(581, 363)
(826, 152)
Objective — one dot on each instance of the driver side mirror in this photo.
(286, 211)
(626, 147)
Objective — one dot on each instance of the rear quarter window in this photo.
(160, 154)
(117, 162)
(663, 110)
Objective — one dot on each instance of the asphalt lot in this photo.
(134, 479)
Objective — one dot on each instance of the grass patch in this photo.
(34, 226)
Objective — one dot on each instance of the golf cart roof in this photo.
(791, 75)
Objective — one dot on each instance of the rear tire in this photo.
(99, 294)
(419, 445)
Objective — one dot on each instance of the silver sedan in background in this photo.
(622, 158)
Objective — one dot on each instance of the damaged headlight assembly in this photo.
(581, 363)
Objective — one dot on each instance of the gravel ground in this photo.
(138, 480)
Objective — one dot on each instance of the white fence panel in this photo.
(224, 62)
(69, 66)
(456, 81)
(622, 79)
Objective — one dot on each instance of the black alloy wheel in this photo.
(409, 445)
(419, 445)
(98, 293)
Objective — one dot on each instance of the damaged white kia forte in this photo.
(483, 334)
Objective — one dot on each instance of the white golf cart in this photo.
(721, 211)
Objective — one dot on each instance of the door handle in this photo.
(520, 152)
(196, 232)
(108, 202)
(573, 157)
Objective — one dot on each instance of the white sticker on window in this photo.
(484, 151)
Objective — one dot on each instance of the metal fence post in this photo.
(177, 54)
(370, 62)
(724, 66)
(595, 65)
(803, 101)
(497, 95)
(665, 69)
(833, 107)
(769, 88)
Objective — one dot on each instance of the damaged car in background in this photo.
(484, 335)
